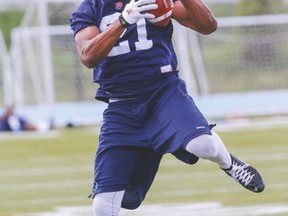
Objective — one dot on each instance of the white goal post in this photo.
(5, 67)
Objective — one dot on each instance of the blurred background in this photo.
(237, 76)
(240, 70)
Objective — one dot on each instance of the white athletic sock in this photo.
(107, 204)
(211, 148)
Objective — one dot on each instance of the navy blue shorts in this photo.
(138, 131)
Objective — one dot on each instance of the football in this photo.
(162, 13)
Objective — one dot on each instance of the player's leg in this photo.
(107, 204)
(212, 148)
(123, 175)
(180, 124)
(125, 166)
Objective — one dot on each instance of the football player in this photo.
(149, 112)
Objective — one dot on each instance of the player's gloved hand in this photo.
(136, 10)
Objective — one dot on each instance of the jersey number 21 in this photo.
(142, 44)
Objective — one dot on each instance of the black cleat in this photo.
(246, 175)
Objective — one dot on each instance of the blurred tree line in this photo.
(260, 7)
(11, 18)
(8, 20)
(249, 7)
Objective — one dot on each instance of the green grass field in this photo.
(39, 172)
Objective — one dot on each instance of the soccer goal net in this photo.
(245, 54)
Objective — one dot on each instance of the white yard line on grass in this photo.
(29, 135)
(181, 209)
(167, 163)
(173, 193)
(45, 171)
(160, 177)
(246, 123)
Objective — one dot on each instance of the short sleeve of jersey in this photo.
(84, 16)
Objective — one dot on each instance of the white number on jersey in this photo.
(142, 44)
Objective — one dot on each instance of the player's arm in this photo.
(93, 46)
(195, 15)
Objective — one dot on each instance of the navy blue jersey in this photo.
(144, 52)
